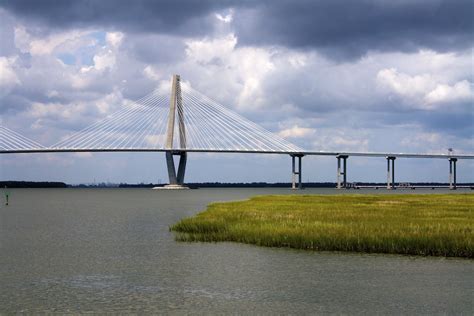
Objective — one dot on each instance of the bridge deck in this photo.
(304, 153)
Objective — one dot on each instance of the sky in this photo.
(382, 76)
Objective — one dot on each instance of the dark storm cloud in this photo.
(339, 28)
(457, 122)
(152, 48)
(7, 42)
(169, 16)
(13, 103)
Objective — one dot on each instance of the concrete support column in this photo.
(391, 175)
(452, 173)
(388, 174)
(296, 172)
(338, 186)
(293, 173)
(300, 185)
(183, 157)
(343, 172)
(171, 168)
(344, 176)
(176, 178)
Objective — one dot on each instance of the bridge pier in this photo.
(343, 173)
(183, 158)
(391, 175)
(176, 179)
(296, 173)
(452, 173)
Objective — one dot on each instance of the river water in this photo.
(110, 250)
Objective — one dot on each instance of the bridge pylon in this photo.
(176, 180)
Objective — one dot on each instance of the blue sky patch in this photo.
(67, 58)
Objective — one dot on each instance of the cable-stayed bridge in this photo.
(188, 121)
(11, 142)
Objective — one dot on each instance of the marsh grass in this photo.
(427, 225)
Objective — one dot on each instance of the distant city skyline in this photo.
(325, 75)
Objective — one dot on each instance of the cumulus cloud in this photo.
(114, 38)
(22, 39)
(8, 77)
(55, 111)
(104, 60)
(44, 46)
(151, 73)
(424, 90)
(459, 92)
(244, 68)
(225, 18)
(296, 132)
(404, 84)
(211, 50)
(423, 139)
(435, 142)
(72, 115)
(340, 139)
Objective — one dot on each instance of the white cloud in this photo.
(164, 86)
(104, 60)
(424, 91)
(110, 102)
(242, 69)
(422, 139)
(44, 46)
(296, 132)
(405, 85)
(155, 139)
(253, 66)
(434, 142)
(22, 39)
(8, 77)
(247, 66)
(52, 93)
(114, 39)
(55, 110)
(151, 73)
(206, 50)
(340, 139)
(298, 60)
(81, 81)
(226, 19)
(51, 115)
(460, 91)
(344, 142)
(450, 66)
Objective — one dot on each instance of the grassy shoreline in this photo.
(427, 225)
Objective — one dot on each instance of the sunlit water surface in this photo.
(110, 250)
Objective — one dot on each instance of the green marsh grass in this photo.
(427, 225)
